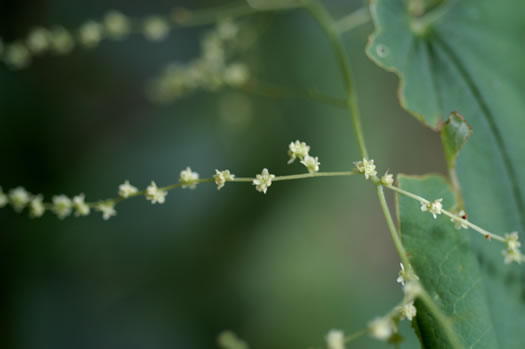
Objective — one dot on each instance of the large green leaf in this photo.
(468, 56)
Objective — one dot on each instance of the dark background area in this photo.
(279, 269)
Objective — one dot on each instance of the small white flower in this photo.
(62, 206)
(406, 275)
(433, 207)
(387, 179)
(3, 198)
(512, 253)
(61, 40)
(460, 220)
(126, 190)
(36, 207)
(188, 178)
(107, 208)
(311, 163)
(116, 25)
(402, 275)
(236, 74)
(222, 177)
(155, 195)
(156, 29)
(227, 29)
(17, 56)
(19, 198)
(90, 33)
(366, 167)
(296, 150)
(381, 328)
(408, 311)
(38, 40)
(228, 340)
(335, 339)
(263, 181)
(81, 208)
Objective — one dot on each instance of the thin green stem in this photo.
(118, 199)
(353, 336)
(352, 20)
(267, 90)
(324, 19)
(392, 227)
(456, 218)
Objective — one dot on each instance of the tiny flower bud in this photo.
(311, 163)
(155, 195)
(228, 340)
(116, 25)
(126, 190)
(36, 207)
(381, 328)
(188, 178)
(512, 253)
(156, 29)
(387, 179)
(107, 208)
(81, 208)
(62, 206)
(263, 181)
(408, 311)
(90, 34)
(296, 150)
(222, 177)
(433, 207)
(335, 339)
(38, 40)
(460, 220)
(19, 198)
(236, 74)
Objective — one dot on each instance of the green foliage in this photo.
(465, 56)
(448, 267)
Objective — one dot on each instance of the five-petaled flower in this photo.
(263, 181)
(433, 207)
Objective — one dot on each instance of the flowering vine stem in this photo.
(326, 22)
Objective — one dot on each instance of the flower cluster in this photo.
(300, 150)
(512, 253)
(366, 167)
(386, 327)
(59, 40)
(433, 207)
(212, 70)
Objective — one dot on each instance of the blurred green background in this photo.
(279, 269)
